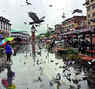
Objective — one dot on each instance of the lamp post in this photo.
(33, 39)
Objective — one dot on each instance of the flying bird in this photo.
(63, 16)
(50, 5)
(25, 23)
(42, 18)
(35, 18)
(37, 22)
(28, 3)
(77, 11)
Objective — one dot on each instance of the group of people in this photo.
(81, 44)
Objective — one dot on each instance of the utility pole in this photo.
(36, 21)
(33, 39)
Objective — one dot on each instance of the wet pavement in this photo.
(42, 73)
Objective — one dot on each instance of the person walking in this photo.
(8, 51)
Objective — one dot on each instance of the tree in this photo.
(47, 34)
(38, 36)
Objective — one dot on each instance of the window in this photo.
(1, 25)
(93, 6)
(93, 14)
(89, 22)
(88, 15)
(88, 9)
(72, 25)
(6, 26)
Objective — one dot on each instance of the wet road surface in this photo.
(30, 75)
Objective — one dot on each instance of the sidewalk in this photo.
(27, 75)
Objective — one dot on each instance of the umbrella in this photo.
(5, 83)
(4, 42)
(9, 38)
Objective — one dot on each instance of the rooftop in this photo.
(16, 30)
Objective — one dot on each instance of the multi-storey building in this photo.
(74, 23)
(5, 26)
(21, 36)
(58, 28)
(90, 6)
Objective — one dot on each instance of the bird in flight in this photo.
(25, 22)
(50, 5)
(35, 18)
(77, 11)
(28, 3)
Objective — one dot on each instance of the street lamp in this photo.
(36, 22)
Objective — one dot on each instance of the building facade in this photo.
(20, 36)
(58, 28)
(5, 26)
(90, 6)
(74, 23)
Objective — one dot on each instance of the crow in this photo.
(28, 3)
(77, 11)
(25, 23)
(35, 18)
(50, 5)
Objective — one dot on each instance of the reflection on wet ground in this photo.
(42, 72)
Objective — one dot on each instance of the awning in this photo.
(78, 31)
(85, 30)
(86, 58)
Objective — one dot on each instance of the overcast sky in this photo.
(16, 11)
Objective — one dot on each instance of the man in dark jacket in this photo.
(8, 51)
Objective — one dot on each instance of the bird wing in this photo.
(77, 10)
(42, 18)
(33, 16)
